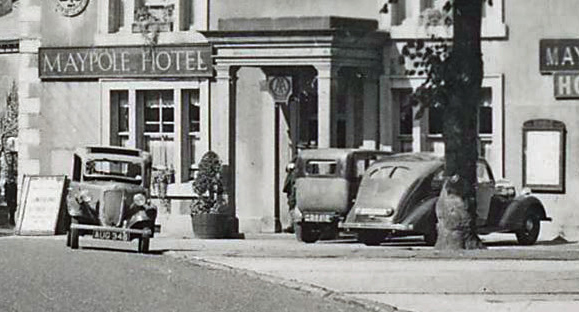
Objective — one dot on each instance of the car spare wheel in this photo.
(529, 233)
(307, 233)
(371, 238)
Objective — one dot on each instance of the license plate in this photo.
(325, 218)
(108, 235)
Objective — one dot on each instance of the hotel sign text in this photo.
(559, 55)
(125, 62)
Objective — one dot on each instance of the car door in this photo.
(484, 192)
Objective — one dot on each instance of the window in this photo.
(147, 119)
(137, 16)
(406, 121)
(435, 115)
(321, 167)
(403, 17)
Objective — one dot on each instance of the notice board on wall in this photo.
(41, 206)
(544, 155)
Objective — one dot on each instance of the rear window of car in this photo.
(389, 172)
(321, 167)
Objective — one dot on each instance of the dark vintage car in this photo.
(397, 197)
(327, 181)
(108, 196)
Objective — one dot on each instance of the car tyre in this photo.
(144, 243)
(73, 238)
(432, 235)
(530, 232)
(307, 233)
(69, 232)
(371, 238)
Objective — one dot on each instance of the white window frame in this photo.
(126, 36)
(420, 131)
(183, 167)
(493, 25)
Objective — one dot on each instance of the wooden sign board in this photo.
(41, 205)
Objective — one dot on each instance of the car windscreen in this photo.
(113, 169)
(321, 167)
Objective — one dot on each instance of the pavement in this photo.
(400, 275)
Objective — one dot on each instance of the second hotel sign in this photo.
(125, 62)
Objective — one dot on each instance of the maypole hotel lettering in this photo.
(566, 85)
(120, 62)
(559, 55)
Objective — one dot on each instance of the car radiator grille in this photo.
(111, 210)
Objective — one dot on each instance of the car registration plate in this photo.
(311, 217)
(109, 235)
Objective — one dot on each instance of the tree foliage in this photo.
(9, 129)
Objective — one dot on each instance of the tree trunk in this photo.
(456, 207)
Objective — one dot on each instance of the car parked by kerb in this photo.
(327, 182)
(108, 196)
(397, 197)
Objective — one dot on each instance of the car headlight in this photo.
(84, 197)
(139, 199)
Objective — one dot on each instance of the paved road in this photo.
(40, 274)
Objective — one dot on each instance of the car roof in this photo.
(335, 153)
(113, 152)
(419, 162)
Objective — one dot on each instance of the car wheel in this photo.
(307, 233)
(69, 232)
(431, 237)
(371, 238)
(144, 243)
(330, 232)
(74, 238)
(530, 232)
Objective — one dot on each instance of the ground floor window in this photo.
(428, 130)
(151, 119)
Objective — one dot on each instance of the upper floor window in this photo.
(407, 17)
(138, 16)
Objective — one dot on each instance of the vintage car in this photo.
(397, 197)
(326, 185)
(108, 196)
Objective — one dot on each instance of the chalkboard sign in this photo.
(40, 209)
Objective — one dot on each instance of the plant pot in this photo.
(211, 225)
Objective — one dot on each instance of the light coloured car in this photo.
(326, 185)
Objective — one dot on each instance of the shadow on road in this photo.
(157, 252)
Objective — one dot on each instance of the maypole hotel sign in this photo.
(560, 57)
(125, 62)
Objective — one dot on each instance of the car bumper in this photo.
(377, 226)
(110, 229)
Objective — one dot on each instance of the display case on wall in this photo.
(544, 155)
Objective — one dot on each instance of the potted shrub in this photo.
(210, 213)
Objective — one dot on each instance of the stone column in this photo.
(371, 111)
(327, 93)
(222, 138)
(30, 155)
(387, 123)
(181, 153)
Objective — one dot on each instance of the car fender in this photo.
(145, 214)
(422, 216)
(518, 208)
